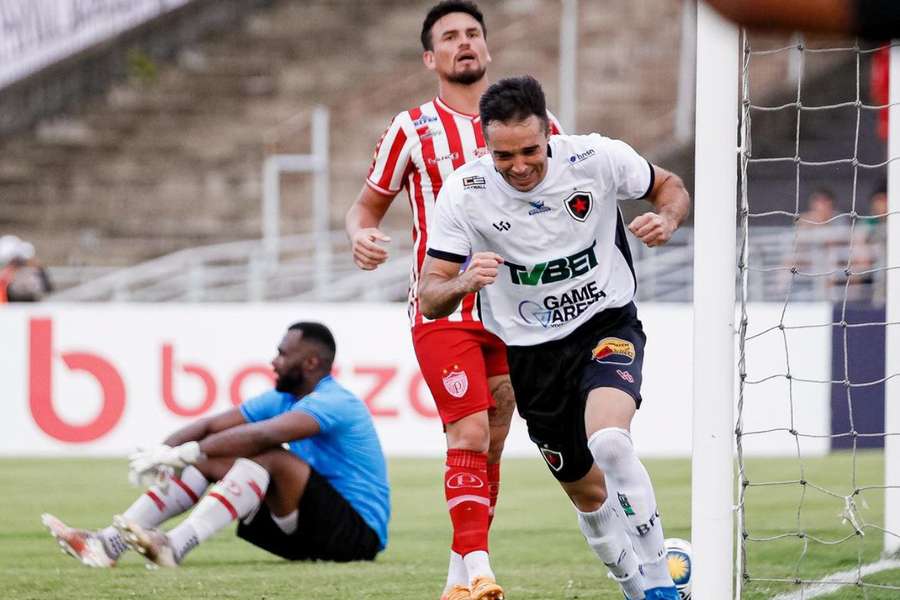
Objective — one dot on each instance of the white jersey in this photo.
(563, 243)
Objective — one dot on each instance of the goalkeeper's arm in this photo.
(874, 19)
(201, 428)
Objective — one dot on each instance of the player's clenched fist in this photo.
(652, 229)
(367, 254)
(482, 270)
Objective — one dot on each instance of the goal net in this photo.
(816, 481)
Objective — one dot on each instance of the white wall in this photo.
(218, 354)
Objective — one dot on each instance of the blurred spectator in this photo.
(823, 252)
(873, 236)
(22, 278)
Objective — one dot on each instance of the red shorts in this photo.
(456, 359)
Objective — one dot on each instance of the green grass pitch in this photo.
(537, 550)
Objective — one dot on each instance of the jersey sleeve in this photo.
(632, 173)
(329, 411)
(392, 159)
(262, 407)
(448, 236)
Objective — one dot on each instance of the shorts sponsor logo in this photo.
(456, 382)
(580, 156)
(614, 351)
(554, 459)
(556, 270)
(557, 310)
(476, 182)
(464, 480)
(538, 207)
(625, 375)
(579, 205)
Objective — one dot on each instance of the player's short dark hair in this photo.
(319, 334)
(442, 9)
(513, 100)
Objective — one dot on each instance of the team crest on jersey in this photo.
(456, 382)
(554, 459)
(579, 205)
(614, 351)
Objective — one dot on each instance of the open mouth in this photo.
(466, 56)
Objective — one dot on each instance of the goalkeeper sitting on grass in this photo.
(326, 498)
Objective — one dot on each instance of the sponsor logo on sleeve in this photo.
(424, 120)
(582, 156)
(476, 182)
(614, 351)
(448, 156)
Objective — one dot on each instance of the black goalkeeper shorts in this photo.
(552, 382)
(328, 528)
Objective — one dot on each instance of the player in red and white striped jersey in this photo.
(464, 365)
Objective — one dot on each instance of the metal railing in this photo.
(240, 272)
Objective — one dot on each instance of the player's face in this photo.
(460, 53)
(519, 150)
(288, 363)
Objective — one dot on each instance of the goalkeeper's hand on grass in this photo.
(156, 465)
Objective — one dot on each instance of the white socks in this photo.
(156, 506)
(627, 478)
(236, 496)
(288, 523)
(605, 534)
(478, 564)
(456, 571)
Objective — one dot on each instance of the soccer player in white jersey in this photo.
(463, 365)
(551, 263)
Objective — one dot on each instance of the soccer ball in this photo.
(678, 553)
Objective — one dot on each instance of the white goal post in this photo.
(892, 334)
(714, 524)
(715, 211)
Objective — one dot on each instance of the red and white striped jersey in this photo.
(420, 148)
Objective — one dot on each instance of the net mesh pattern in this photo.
(828, 288)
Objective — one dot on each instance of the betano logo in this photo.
(558, 269)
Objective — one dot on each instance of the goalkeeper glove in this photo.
(154, 466)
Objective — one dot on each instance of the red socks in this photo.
(493, 473)
(466, 487)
